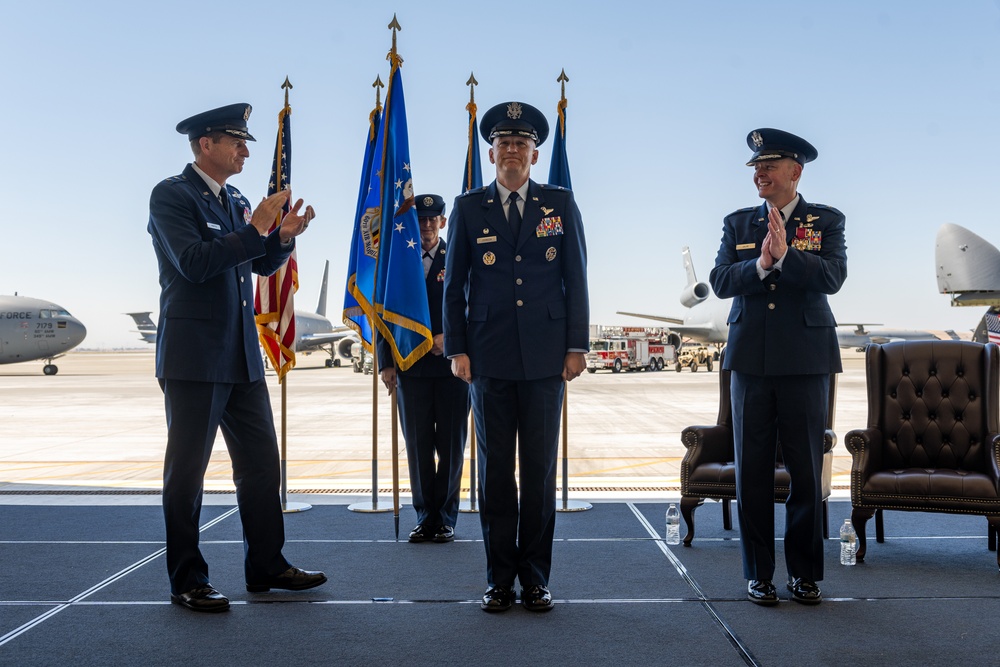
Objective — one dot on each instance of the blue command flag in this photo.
(559, 167)
(472, 178)
(359, 311)
(400, 289)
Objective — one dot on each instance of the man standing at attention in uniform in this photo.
(433, 403)
(778, 262)
(208, 360)
(516, 326)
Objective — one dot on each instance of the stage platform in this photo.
(85, 584)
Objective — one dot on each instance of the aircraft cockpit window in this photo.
(44, 313)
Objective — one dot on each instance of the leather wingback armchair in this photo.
(932, 440)
(708, 469)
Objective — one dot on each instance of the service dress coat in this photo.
(206, 329)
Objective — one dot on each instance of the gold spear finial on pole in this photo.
(393, 57)
(562, 83)
(472, 83)
(378, 86)
(287, 85)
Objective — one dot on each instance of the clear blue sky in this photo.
(901, 98)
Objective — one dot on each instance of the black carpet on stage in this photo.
(86, 585)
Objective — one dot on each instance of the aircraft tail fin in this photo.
(321, 306)
(692, 279)
(143, 321)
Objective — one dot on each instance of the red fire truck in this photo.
(629, 348)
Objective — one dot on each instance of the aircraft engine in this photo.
(694, 294)
(674, 339)
(344, 347)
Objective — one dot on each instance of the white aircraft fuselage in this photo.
(33, 329)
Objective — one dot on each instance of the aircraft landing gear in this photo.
(50, 369)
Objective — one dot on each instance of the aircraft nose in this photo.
(75, 333)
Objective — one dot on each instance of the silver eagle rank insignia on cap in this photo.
(514, 110)
(758, 140)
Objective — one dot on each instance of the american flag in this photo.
(993, 327)
(274, 302)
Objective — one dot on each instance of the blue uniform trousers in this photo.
(195, 412)
(434, 413)
(792, 408)
(517, 424)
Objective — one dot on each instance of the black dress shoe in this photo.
(536, 598)
(444, 534)
(498, 598)
(421, 533)
(805, 591)
(205, 598)
(762, 592)
(292, 579)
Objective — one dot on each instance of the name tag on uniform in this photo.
(212, 225)
(746, 246)
(486, 239)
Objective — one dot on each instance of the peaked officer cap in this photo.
(770, 144)
(514, 119)
(231, 119)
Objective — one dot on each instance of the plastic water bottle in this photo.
(848, 544)
(673, 525)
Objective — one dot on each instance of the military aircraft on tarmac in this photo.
(313, 331)
(968, 268)
(33, 329)
(705, 320)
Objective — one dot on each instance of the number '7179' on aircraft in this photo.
(313, 331)
(33, 329)
(705, 321)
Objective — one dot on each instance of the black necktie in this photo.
(514, 215)
(224, 199)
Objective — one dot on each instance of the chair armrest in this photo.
(829, 440)
(865, 446)
(707, 444)
(993, 440)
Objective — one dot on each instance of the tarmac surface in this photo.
(98, 427)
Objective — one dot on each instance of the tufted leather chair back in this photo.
(929, 400)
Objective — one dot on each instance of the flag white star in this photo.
(411, 244)
(399, 183)
(399, 226)
(406, 167)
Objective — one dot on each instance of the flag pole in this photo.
(394, 59)
(287, 507)
(563, 175)
(281, 169)
(567, 504)
(473, 179)
(470, 506)
(395, 460)
(373, 507)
